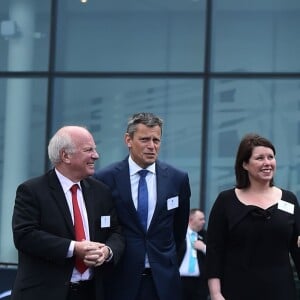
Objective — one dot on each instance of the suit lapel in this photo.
(88, 197)
(60, 199)
(161, 184)
(123, 184)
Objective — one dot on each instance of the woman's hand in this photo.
(214, 285)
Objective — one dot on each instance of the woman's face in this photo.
(262, 164)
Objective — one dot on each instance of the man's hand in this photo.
(199, 245)
(93, 254)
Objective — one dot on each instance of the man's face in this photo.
(144, 145)
(82, 161)
(197, 221)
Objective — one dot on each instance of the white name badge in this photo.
(286, 206)
(105, 221)
(172, 203)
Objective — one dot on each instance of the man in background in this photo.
(192, 256)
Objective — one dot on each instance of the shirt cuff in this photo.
(110, 255)
(71, 249)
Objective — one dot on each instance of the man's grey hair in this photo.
(61, 140)
(148, 119)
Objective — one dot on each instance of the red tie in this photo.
(78, 225)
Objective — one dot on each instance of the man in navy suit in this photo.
(43, 227)
(149, 267)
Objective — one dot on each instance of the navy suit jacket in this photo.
(43, 229)
(165, 234)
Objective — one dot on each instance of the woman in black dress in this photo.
(253, 231)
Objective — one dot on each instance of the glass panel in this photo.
(268, 107)
(129, 35)
(105, 105)
(256, 36)
(24, 35)
(22, 147)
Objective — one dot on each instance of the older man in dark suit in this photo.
(152, 201)
(65, 225)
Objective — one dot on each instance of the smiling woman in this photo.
(242, 262)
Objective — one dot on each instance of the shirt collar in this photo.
(189, 230)
(65, 182)
(134, 167)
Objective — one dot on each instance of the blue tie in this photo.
(192, 258)
(142, 206)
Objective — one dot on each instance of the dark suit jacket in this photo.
(165, 234)
(43, 229)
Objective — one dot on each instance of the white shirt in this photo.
(185, 262)
(66, 184)
(151, 185)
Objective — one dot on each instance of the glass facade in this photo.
(256, 36)
(130, 36)
(213, 70)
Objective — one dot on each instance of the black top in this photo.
(248, 248)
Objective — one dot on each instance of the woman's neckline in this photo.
(263, 200)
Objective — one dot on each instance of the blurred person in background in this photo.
(192, 258)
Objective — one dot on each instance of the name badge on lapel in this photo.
(172, 203)
(200, 237)
(286, 206)
(105, 221)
